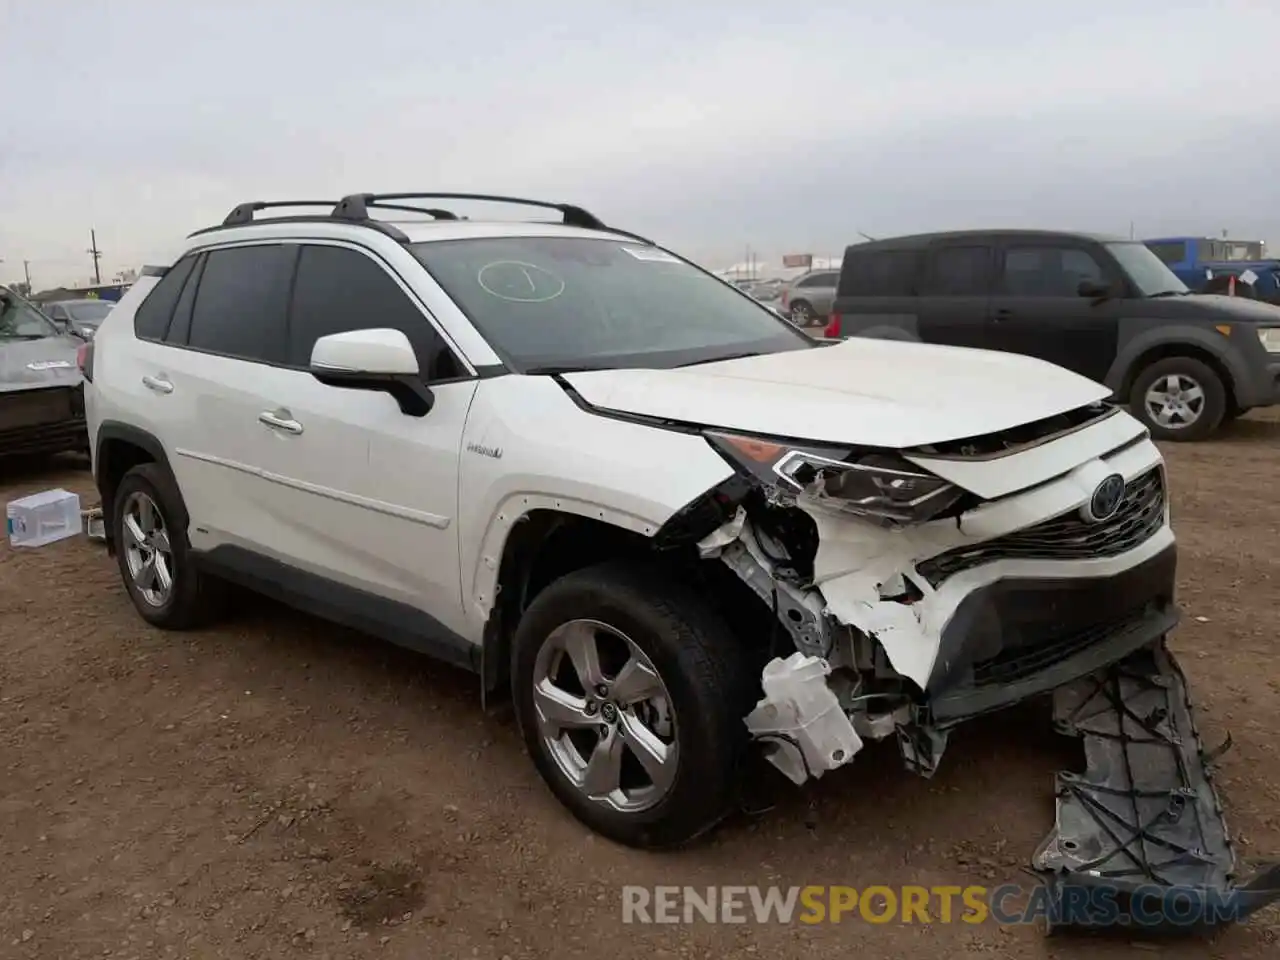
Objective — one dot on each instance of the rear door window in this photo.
(960, 271)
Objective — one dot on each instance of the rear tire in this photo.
(149, 527)
(1195, 399)
(802, 314)
(573, 719)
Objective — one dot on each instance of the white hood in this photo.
(880, 393)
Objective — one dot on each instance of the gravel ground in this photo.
(279, 787)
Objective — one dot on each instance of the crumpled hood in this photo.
(34, 363)
(880, 393)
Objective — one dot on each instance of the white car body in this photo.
(419, 511)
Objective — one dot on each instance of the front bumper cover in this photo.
(1015, 638)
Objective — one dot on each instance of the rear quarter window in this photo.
(880, 273)
(151, 319)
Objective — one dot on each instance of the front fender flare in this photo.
(1123, 369)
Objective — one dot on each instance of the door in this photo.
(202, 368)
(956, 293)
(1037, 309)
(362, 493)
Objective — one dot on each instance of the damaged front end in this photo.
(912, 605)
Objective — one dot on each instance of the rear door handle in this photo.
(158, 384)
(1003, 314)
(278, 422)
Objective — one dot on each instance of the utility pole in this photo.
(26, 269)
(96, 254)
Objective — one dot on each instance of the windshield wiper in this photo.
(554, 370)
(732, 356)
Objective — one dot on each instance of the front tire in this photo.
(149, 526)
(630, 694)
(1180, 399)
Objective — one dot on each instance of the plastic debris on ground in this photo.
(43, 518)
(95, 527)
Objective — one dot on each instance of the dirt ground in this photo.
(282, 788)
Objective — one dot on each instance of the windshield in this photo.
(1148, 272)
(585, 303)
(93, 312)
(21, 321)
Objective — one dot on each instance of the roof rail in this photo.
(243, 213)
(356, 206)
(433, 211)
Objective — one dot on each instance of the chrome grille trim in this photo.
(1065, 537)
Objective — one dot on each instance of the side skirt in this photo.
(388, 620)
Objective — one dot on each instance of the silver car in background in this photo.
(809, 298)
(80, 317)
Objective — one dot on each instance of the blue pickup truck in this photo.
(1205, 261)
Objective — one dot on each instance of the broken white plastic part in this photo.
(801, 720)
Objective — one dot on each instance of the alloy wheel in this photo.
(1175, 401)
(604, 716)
(148, 552)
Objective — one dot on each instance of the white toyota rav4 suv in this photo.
(557, 455)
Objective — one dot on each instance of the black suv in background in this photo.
(1106, 308)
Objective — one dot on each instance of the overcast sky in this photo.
(711, 126)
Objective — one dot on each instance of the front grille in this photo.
(69, 435)
(29, 408)
(1018, 663)
(1067, 537)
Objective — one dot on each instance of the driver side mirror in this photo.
(1093, 290)
(380, 359)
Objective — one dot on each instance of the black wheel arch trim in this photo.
(115, 430)
(110, 431)
(1125, 368)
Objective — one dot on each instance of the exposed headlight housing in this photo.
(1270, 337)
(878, 486)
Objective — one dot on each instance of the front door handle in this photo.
(1003, 314)
(158, 384)
(277, 422)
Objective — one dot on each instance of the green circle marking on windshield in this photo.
(519, 282)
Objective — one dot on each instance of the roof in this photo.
(921, 239)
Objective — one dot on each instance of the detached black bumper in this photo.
(1140, 840)
(1015, 639)
(42, 421)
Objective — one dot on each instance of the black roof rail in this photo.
(380, 226)
(242, 213)
(356, 206)
(435, 212)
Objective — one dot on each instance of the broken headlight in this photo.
(876, 484)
